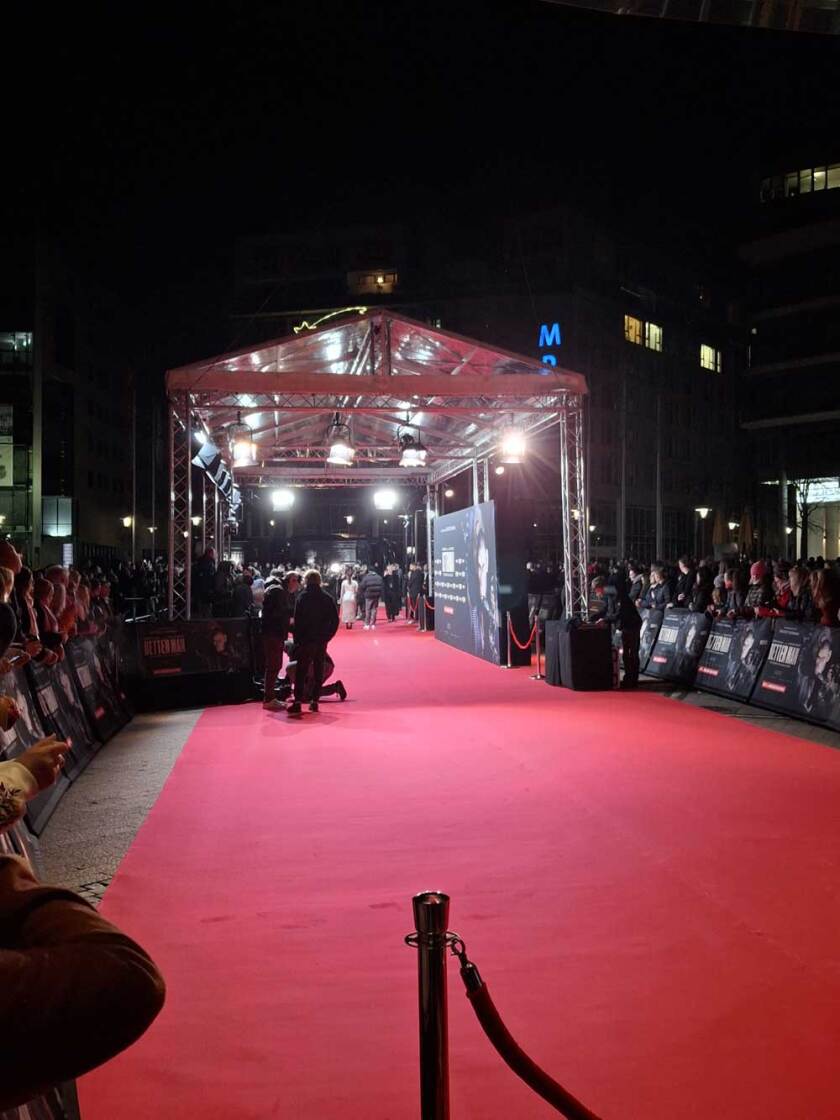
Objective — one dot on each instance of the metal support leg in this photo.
(575, 509)
(180, 529)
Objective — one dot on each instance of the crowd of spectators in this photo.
(75, 990)
(765, 588)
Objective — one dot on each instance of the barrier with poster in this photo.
(801, 675)
(734, 654)
(181, 648)
(62, 712)
(651, 621)
(679, 645)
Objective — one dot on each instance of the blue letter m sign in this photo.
(550, 335)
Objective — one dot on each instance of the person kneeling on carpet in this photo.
(315, 625)
(286, 686)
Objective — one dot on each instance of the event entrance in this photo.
(647, 888)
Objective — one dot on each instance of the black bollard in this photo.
(431, 920)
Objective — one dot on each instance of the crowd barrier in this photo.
(788, 667)
(81, 700)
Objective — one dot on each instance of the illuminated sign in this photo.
(550, 337)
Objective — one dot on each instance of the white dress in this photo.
(349, 588)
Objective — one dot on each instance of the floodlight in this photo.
(282, 500)
(385, 499)
(412, 451)
(449, 493)
(242, 447)
(499, 470)
(513, 446)
(341, 451)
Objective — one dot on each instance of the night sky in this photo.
(150, 146)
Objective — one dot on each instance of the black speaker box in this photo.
(578, 656)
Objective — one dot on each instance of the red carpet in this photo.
(650, 891)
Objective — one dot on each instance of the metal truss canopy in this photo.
(384, 375)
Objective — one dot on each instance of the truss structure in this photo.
(385, 377)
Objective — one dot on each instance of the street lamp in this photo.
(196, 520)
(703, 512)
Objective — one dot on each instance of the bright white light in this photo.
(200, 436)
(703, 511)
(246, 400)
(499, 470)
(513, 446)
(385, 499)
(153, 528)
(449, 493)
(349, 519)
(788, 530)
(127, 522)
(282, 500)
(413, 457)
(592, 528)
(733, 525)
(341, 453)
(244, 452)
(384, 520)
(196, 520)
(272, 522)
(335, 567)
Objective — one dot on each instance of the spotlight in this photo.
(412, 452)
(384, 499)
(282, 500)
(449, 493)
(242, 447)
(499, 470)
(513, 446)
(341, 449)
(349, 518)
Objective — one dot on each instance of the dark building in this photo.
(65, 410)
(791, 379)
(652, 337)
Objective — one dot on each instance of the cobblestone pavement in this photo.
(99, 816)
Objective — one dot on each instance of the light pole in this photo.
(703, 512)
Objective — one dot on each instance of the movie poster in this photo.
(651, 621)
(679, 646)
(466, 588)
(801, 675)
(168, 649)
(734, 654)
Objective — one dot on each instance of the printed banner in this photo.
(102, 705)
(466, 588)
(734, 654)
(801, 675)
(169, 649)
(679, 645)
(651, 621)
(62, 713)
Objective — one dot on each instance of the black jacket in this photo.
(372, 585)
(658, 597)
(415, 582)
(278, 606)
(684, 587)
(316, 618)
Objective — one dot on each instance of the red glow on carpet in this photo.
(649, 890)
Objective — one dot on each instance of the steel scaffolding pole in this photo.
(575, 509)
(180, 527)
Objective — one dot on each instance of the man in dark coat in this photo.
(622, 614)
(277, 610)
(204, 583)
(371, 587)
(315, 624)
(415, 590)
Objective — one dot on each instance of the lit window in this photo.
(834, 176)
(633, 330)
(819, 178)
(710, 358)
(806, 180)
(653, 337)
(791, 184)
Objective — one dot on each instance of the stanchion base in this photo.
(537, 677)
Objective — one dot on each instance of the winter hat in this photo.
(758, 571)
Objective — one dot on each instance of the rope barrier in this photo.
(506, 1045)
(516, 641)
(412, 606)
(429, 606)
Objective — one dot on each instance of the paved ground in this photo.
(99, 816)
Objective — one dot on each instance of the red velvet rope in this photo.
(429, 606)
(516, 641)
(520, 1063)
(412, 606)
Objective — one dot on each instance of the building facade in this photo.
(791, 379)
